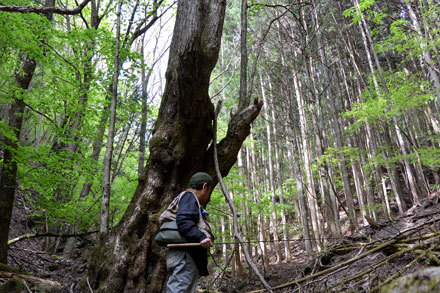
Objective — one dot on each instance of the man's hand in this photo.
(206, 243)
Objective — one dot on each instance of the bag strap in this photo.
(197, 200)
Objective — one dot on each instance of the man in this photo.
(187, 264)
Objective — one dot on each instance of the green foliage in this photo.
(73, 64)
(406, 92)
(122, 191)
(365, 11)
(49, 179)
(80, 213)
(398, 40)
(331, 155)
(22, 33)
(364, 7)
(255, 7)
(428, 156)
(44, 170)
(373, 207)
(7, 133)
(290, 188)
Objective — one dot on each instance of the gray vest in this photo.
(171, 212)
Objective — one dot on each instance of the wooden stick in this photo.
(183, 245)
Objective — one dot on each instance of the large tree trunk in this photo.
(127, 259)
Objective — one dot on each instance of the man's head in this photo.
(198, 179)
(201, 183)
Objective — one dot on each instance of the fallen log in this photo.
(48, 234)
(378, 264)
(31, 279)
(400, 272)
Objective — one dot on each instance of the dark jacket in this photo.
(187, 217)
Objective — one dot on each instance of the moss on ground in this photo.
(423, 281)
(12, 286)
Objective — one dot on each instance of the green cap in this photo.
(200, 178)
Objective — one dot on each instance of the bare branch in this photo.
(36, 235)
(142, 29)
(45, 10)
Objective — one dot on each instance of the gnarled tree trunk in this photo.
(127, 259)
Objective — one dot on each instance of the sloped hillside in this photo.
(36, 267)
(367, 261)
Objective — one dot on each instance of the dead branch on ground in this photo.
(36, 235)
(31, 279)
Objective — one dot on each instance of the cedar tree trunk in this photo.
(127, 258)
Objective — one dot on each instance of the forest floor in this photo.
(358, 263)
(32, 256)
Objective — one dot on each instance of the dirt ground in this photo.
(30, 255)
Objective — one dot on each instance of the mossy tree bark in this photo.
(127, 259)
